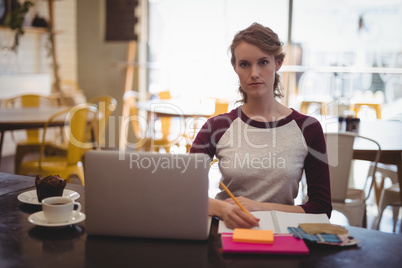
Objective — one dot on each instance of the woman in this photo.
(263, 147)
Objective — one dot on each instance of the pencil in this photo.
(234, 199)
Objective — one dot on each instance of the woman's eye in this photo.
(264, 62)
(243, 64)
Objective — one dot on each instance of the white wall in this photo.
(29, 68)
(98, 70)
(32, 55)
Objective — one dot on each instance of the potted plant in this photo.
(15, 19)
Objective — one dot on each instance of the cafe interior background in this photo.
(337, 51)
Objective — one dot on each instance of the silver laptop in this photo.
(141, 194)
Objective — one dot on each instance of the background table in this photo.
(389, 135)
(23, 244)
(26, 118)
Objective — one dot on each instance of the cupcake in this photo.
(49, 186)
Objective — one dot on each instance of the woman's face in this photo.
(256, 70)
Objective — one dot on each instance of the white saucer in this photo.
(39, 219)
(30, 197)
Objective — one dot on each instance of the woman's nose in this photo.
(254, 72)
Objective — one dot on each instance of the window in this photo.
(189, 41)
(339, 45)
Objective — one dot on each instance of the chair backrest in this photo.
(340, 156)
(81, 120)
(389, 171)
(29, 101)
(106, 105)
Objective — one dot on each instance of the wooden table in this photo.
(26, 118)
(23, 244)
(389, 135)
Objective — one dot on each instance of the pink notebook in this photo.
(283, 244)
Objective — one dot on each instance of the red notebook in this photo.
(283, 244)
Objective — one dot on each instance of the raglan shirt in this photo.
(264, 161)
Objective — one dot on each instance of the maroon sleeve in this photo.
(210, 133)
(202, 142)
(316, 168)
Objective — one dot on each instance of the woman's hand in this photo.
(231, 214)
(248, 204)
(234, 217)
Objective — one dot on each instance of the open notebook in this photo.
(280, 221)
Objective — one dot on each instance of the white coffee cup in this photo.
(58, 209)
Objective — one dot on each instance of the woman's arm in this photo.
(231, 214)
(316, 169)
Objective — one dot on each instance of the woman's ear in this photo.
(278, 64)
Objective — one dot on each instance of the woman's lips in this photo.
(255, 84)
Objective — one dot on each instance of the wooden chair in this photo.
(389, 196)
(357, 107)
(82, 120)
(349, 201)
(383, 172)
(106, 105)
(306, 104)
(32, 143)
